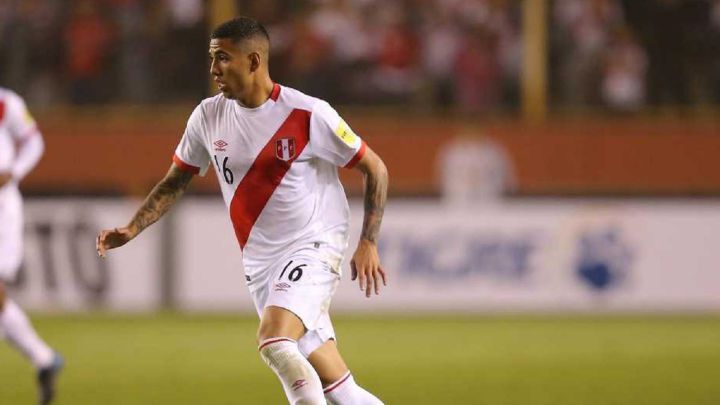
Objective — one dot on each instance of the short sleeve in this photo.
(191, 154)
(332, 139)
(19, 120)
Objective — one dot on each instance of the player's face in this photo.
(230, 67)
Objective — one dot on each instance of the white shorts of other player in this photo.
(303, 283)
(11, 226)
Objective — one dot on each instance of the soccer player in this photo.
(21, 146)
(276, 152)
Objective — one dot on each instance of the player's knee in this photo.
(301, 383)
(277, 351)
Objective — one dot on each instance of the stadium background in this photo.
(553, 218)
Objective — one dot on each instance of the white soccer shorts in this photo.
(11, 226)
(303, 283)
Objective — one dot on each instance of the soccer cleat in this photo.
(46, 379)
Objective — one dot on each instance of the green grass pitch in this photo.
(194, 359)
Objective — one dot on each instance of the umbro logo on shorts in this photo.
(220, 145)
(282, 286)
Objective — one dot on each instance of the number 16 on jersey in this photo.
(227, 174)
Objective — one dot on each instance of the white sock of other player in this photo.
(346, 392)
(20, 332)
(299, 380)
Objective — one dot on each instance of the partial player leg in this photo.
(339, 385)
(20, 333)
(278, 334)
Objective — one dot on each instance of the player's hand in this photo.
(366, 268)
(5, 178)
(112, 238)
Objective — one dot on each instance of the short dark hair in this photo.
(240, 28)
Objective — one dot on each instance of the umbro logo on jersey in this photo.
(285, 148)
(220, 145)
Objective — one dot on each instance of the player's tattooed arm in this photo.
(162, 197)
(157, 203)
(376, 184)
(365, 264)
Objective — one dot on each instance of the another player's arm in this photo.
(162, 197)
(366, 261)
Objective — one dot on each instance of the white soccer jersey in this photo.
(277, 168)
(16, 127)
(20, 148)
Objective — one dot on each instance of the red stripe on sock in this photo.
(336, 384)
(271, 341)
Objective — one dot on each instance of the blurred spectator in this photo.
(677, 37)
(185, 50)
(583, 30)
(87, 45)
(397, 53)
(625, 64)
(31, 58)
(135, 50)
(504, 20)
(343, 28)
(307, 54)
(441, 43)
(477, 71)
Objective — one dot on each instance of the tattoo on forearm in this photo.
(375, 197)
(161, 198)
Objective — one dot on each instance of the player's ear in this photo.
(254, 61)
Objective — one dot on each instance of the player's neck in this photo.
(259, 93)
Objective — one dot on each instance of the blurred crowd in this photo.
(467, 54)
(628, 54)
(91, 52)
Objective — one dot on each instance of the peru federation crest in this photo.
(285, 148)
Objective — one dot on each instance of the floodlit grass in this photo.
(176, 359)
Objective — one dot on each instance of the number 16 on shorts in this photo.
(294, 274)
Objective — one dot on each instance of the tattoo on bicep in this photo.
(161, 198)
(375, 197)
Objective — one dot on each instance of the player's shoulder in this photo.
(210, 107)
(215, 102)
(297, 99)
(10, 96)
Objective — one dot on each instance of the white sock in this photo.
(22, 335)
(299, 380)
(346, 392)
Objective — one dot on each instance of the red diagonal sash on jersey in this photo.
(265, 174)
